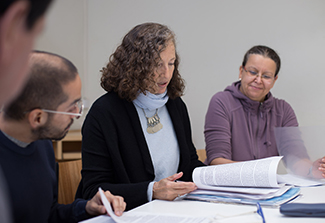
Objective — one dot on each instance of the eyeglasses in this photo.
(259, 211)
(78, 105)
(268, 76)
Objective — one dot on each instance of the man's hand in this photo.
(96, 207)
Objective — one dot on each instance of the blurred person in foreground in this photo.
(20, 23)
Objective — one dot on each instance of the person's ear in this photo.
(275, 80)
(12, 23)
(37, 118)
(240, 72)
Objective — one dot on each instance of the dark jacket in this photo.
(115, 153)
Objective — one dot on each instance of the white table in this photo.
(210, 210)
(198, 208)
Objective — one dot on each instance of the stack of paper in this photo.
(243, 182)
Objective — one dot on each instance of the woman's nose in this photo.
(258, 78)
(162, 70)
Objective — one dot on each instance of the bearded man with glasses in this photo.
(44, 110)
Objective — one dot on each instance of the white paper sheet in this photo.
(139, 217)
(298, 181)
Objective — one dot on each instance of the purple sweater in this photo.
(240, 129)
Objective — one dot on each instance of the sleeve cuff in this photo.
(149, 190)
(79, 210)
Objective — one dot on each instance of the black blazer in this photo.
(115, 154)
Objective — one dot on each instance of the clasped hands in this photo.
(168, 189)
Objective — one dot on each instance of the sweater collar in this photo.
(13, 146)
(151, 101)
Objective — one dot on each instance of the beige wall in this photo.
(213, 36)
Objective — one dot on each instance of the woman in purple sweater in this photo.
(240, 120)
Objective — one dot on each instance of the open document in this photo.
(254, 173)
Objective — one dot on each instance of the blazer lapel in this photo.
(132, 112)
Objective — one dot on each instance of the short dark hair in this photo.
(37, 9)
(48, 73)
(266, 52)
(131, 66)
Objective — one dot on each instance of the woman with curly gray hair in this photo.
(137, 137)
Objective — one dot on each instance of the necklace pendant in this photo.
(155, 128)
(153, 123)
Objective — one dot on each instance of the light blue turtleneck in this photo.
(163, 145)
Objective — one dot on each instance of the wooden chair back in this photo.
(201, 154)
(69, 178)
